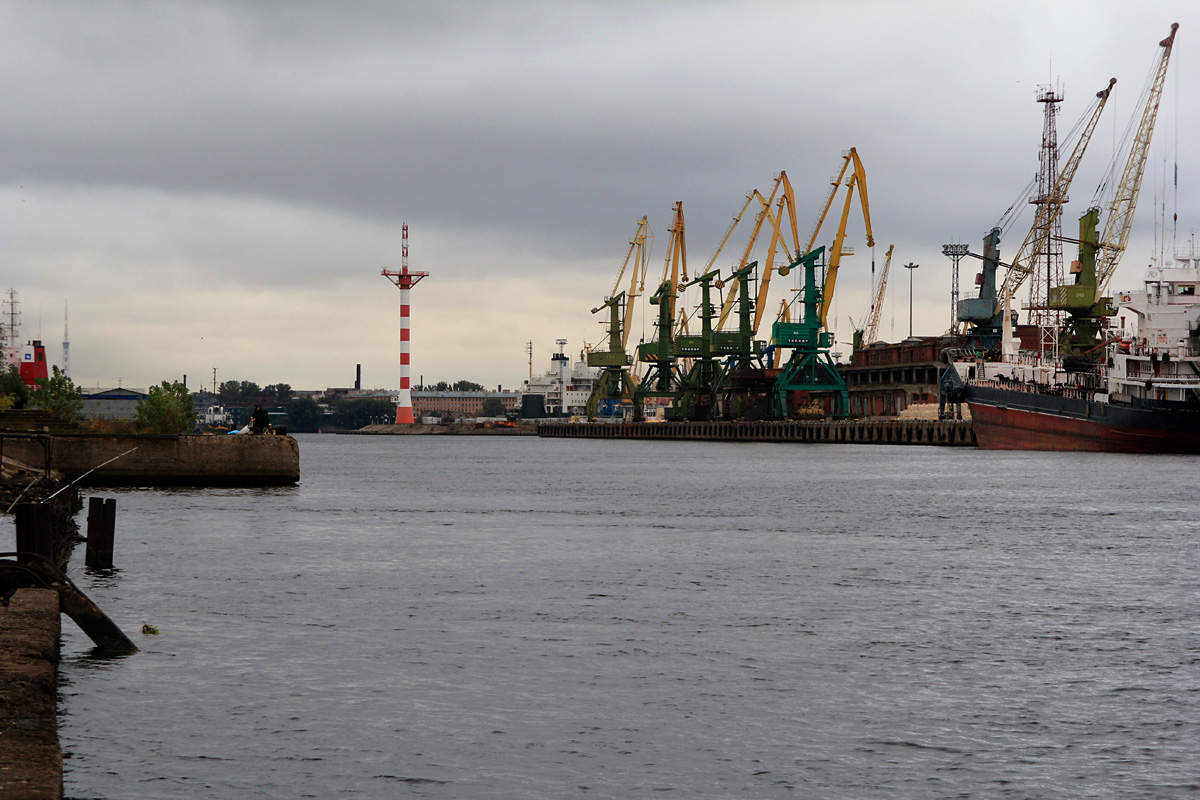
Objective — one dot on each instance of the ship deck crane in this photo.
(870, 331)
(984, 312)
(1124, 202)
(1049, 208)
(1099, 256)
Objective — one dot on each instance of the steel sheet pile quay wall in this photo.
(30, 755)
(951, 433)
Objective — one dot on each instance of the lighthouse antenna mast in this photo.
(404, 280)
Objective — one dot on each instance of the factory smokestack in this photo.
(357, 377)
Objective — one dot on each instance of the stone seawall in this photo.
(188, 460)
(31, 762)
(951, 433)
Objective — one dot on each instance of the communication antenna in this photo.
(66, 344)
(12, 328)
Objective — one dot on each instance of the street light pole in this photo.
(910, 267)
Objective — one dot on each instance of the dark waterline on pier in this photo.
(476, 617)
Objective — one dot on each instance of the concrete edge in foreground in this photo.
(31, 762)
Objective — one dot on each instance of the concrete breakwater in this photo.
(952, 433)
(186, 460)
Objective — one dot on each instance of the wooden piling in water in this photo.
(35, 535)
(102, 523)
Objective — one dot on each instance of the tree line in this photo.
(457, 386)
(170, 408)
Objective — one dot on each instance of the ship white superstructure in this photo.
(566, 386)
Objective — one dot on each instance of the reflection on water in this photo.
(464, 617)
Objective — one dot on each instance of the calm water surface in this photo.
(476, 617)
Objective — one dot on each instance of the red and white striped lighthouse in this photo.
(405, 280)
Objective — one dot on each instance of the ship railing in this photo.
(1188, 350)
(1161, 383)
(1078, 392)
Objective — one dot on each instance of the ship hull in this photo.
(1010, 419)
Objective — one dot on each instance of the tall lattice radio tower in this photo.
(10, 326)
(1047, 268)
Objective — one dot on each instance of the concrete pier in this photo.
(186, 460)
(31, 762)
(946, 433)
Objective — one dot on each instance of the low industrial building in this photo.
(460, 404)
(118, 403)
(884, 379)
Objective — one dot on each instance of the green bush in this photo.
(12, 386)
(166, 408)
(59, 395)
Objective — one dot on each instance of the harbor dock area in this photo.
(946, 433)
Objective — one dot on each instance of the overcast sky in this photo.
(218, 184)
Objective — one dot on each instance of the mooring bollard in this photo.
(102, 524)
(33, 532)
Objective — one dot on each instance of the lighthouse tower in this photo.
(405, 280)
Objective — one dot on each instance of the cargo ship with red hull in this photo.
(1141, 396)
(1015, 419)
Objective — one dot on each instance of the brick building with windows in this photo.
(460, 404)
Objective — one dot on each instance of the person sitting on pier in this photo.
(259, 421)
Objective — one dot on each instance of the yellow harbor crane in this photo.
(869, 333)
(785, 204)
(858, 178)
(675, 264)
(640, 247)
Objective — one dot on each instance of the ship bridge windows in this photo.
(1187, 289)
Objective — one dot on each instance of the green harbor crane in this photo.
(809, 373)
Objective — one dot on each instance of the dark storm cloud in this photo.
(515, 118)
(276, 146)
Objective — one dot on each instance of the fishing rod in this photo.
(89, 472)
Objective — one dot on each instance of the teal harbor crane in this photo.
(809, 370)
